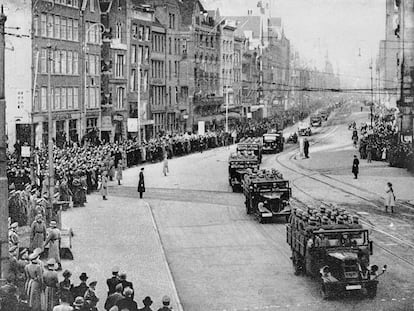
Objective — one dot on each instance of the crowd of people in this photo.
(381, 142)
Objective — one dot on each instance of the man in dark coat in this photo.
(113, 298)
(128, 302)
(80, 290)
(355, 167)
(125, 283)
(113, 281)
(141, 183)
(306, 148)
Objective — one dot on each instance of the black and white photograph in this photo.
(206, 155)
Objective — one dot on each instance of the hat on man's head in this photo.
(83, 276)
(93, 283)
(53, 224)
(122, 275)
(147, 301)
(67, 274)
(51, 264)
(14, 225)
(165, 300)
(13, 248)
(115, 269)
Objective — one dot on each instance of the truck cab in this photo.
(239, 165)
(272, 142)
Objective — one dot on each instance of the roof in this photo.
(187, 8)
(252, 23)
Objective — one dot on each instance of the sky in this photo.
(344, 29)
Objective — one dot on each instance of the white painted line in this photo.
(170, 276)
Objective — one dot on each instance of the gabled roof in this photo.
(252, 23)
(187, 8)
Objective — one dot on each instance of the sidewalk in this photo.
(119, 232)
(333, 157)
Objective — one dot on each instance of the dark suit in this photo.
(141, 184)
(112, 283)
(127, 303)
(80, 290)
(126, 284)
(355, 167)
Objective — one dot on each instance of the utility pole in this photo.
(50, 127)
(4, 208)
(372, 93)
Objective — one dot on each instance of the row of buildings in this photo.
(395, 63)
(116, 68)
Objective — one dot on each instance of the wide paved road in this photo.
(220, 258)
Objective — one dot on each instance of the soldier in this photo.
(50, 279)
(38, 233)
(13, 236)
(165, 304)
(34, 281)
(114, 297)
(53, 239)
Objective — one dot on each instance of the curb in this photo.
(170, 276)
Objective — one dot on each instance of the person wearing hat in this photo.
(53, 239)
(34, 281)
(13, 236)
(50, 281)
(127, 302)
(65, 305)
(104, 185)
(355, 167)
(80, 290)
(38, 233)
(147, 304)
(141, 183)
(113, 281)
(90, 297)
(165, 304)
(66, 287)
(114, 297)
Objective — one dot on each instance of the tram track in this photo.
(402, 246)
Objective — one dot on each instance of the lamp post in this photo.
(83, 123)
(372, 93)
(51, 178)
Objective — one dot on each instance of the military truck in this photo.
(267, 195)
(334, 249)
(316, 121)
(251, 144)
(273, 142)
(240, 164)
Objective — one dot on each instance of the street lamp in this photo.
(85, 43)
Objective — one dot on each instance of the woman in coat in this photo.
(390, 198)
(104, 185)
(141, 183)
(355, 167)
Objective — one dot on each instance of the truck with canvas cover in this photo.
(335, 249)
(273, 142)
(239, 164)
(316, 121)
(251, 144)
(267, 194)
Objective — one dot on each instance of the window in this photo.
(63, 28)
(92, 97)
(147, 34)
(119, 66)
(133, 54)
(63, 61)
(140, 54)
(92, 5)
(144, 81)
(43, 25)
(171, 23)
(133, 80)
(169, 70)
(43, 98)
(63, 98)
(56, 62)
(169, 46)
(50, 26)
(146, 55)
(91, 63)
(75, 3)
(175, 69)
(75, 30)
(118, 31)
(36, 25)
(176, 95)
(120, 93)
(70, 62)
(135, 31)
(97, 65)
(57, 98)
(75, 63)
(141, 33)
(70, 29)
(43, 61)
(57, 27)
(70, 97)
(75, 97)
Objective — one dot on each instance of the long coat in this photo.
(50, 279)
(390, 198)
(34, 276)
(38, 235)
(53, 239)
(104, 186)
(355, 166)
(141, 182)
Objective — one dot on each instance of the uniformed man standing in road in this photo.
(38, 233)
(53, 239)
(141, 183)
(113, 281)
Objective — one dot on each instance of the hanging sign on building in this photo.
(106, 123)
(201, 128)
(25, 151)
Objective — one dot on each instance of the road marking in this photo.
(170, 276)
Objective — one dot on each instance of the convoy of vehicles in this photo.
(267, 194)
(273, 142)
(333, 247)
(239, 163)
(253, 144)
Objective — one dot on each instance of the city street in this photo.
(219, 257)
